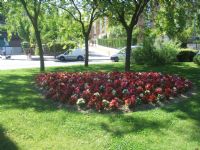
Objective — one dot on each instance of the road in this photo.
(21, 61)
(99, 55)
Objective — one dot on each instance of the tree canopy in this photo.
(84, 12)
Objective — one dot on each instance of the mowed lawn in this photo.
(27, 121)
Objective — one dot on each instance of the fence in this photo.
(11, 50)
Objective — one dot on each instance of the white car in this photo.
(120, 55)
(74, 54)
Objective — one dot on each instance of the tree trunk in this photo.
(128, 49)
(54, 50)
(39, 43)
(86, 50)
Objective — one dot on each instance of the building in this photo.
(99, 29)
(12, 47)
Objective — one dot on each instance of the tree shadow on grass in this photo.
(190, 108)
(18, 89)
(187, 110)
(19, 92)
(5, 142)
(93, 68)
(121, 125)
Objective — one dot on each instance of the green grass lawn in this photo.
(27, 121)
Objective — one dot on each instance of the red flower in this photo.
(140, 89)
(148, 86)
(168, 92)
(152, 98)
(139, 83)
(86, 94)
(158, 90)
(130, 101)
(73, 99)
(114, 103)
(96, 86)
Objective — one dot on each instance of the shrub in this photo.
(60, 47)
(197, 59)
(144, 54)
(27, 48)
(155, 52)
(113, 90)
(25, 44)
(186, 55)
(166, 52)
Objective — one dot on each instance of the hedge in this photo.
(115, 43)
(186, 55)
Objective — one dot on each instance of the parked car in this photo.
(120, 55)
(74, 54)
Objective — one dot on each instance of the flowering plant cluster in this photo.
(113, 90)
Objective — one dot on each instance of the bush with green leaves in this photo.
(186, 55)
(166, 51)
(144, 54)
(196, 59)
(155, 52)
(57, 48)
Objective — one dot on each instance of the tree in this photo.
(127, 13)
(33, 10)
(85, 12)
(175, 19)
(18, 24)
(58, 28)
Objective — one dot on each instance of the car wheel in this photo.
(62, 58)
(80, 58)
(116, 59)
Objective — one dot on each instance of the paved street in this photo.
(18, 62)
(99, 55)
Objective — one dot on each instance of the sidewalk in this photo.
(96, 52)
(102, 50)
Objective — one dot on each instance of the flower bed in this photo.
(113, 90)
